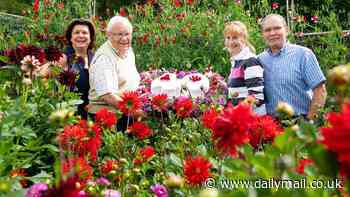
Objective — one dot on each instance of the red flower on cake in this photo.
(165, 77)
(336, 137)
(160, 102)
(195, 78)
(130, 103)
(104, 118)
(231, 128)
(197, 170)
(140, 130)
(183, 106)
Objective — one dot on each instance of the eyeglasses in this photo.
(119, 35)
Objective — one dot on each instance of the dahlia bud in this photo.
(209, 192)
(123, 160)
(174, 181)
(1, 115)
(135, 187)
(285, 108)
(339, 75)
(59, 115)
(27, 81)
(284, 162)
(4, 186)
(295, 128)
(77, 185)
(250, 100)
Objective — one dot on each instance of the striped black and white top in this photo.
(246, 78)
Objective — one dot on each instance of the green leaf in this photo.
(326, 161)
(41, 177)
(175, 160)
(282, 141)
(4, 58)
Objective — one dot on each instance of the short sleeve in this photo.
(103, 77)
(313, 75)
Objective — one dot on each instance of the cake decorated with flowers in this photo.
(167, 84)
(192, 85)
(195, 85)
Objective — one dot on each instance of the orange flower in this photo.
(20, 172)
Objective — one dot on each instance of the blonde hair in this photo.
(240, 29)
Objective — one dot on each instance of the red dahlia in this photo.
(140, 130)
(231, 127)
(78, 166)
(109, 165)
(67, 78)
(104, 118)
(20, 172)
(73, 138)
(130, 103)
(65, 188)
(197, 170)
(23, 50)
(147, 152)
(177, 3)
(301, 165)
(160, 102)
(264, 129)
(209, 117)
(81, 139)
(53, 53)
(183, 106)
(336, 136)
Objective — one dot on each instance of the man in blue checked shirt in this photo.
(290, 71)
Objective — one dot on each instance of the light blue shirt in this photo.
(289, 75)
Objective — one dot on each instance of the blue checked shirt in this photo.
(289, 75)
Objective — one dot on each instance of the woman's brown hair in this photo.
(85, 23)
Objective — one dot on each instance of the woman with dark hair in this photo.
(80, 36)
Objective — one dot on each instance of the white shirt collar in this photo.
(245, 53)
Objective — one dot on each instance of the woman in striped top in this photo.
(246, 77)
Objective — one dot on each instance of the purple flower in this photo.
(159, 190)
(221, 101)
(180, 74)
(82, 194)
(36, 190)
(111, 193)
(103, 181)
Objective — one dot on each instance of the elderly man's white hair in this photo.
(279, 17)
(118, 19)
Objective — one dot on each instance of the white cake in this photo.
(196, 85)
(166, 84)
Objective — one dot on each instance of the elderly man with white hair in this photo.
(113, 69)
(290, 71)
